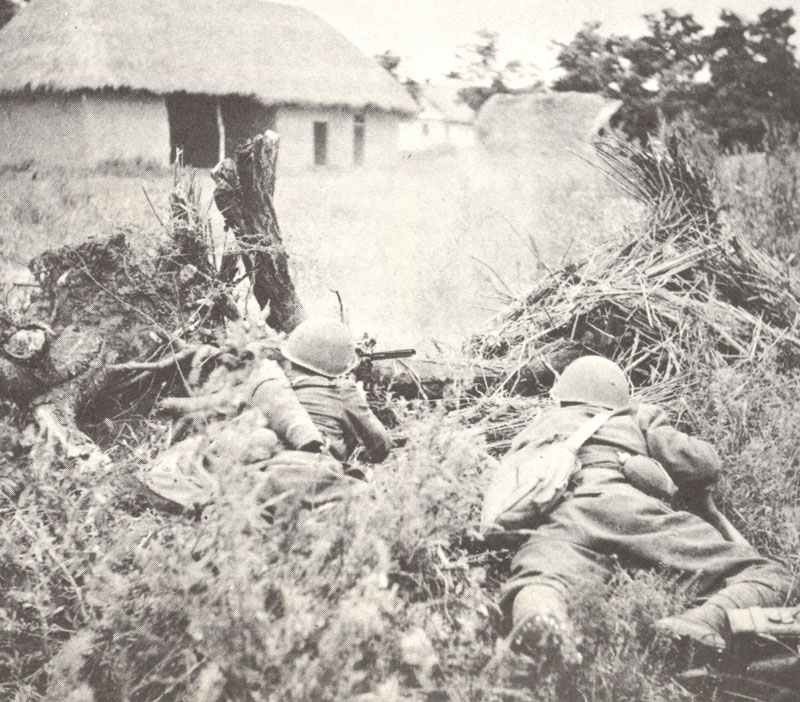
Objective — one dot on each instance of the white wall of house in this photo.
(127, 127)
(44, 128)
(295, 125)
(85, 129)
(382, 137)
(82, 129)
(421, 134)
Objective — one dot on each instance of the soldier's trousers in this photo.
(605, 518)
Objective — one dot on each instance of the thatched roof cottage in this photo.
(86, 81)
(444, 120)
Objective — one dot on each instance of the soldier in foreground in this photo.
(319, 353)
(617, 504)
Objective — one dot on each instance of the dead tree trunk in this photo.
(243, 194)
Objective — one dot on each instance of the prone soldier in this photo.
(617, 503)
(318, 355)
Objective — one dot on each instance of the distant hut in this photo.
(87, 81)
(546, 122)
(443, 120)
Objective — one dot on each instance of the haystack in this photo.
(545, 123)
(679, 297)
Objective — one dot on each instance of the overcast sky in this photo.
(426, 33)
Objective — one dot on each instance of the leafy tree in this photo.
(652, 75)
(391, 63)
(591, 63)
(480, 66)
(389, 60)
(755, 76)
(738, 80)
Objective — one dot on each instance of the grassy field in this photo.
(427, 250)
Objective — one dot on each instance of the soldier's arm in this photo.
(366, 426)
(690, 462)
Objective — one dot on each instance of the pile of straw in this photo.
(681, 295)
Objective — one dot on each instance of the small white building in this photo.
(88, 81)
(443, 120)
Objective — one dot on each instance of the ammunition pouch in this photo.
(648, 475)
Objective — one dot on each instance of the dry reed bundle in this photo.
(682, 295)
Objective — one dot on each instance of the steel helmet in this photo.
(323, 346)
(593, 380)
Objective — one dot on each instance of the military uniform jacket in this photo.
(338, 407)
(641, 429)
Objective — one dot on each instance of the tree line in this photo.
(740, 81)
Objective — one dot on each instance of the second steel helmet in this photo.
(593, 380)
(324, 346)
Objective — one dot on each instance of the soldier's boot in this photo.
(707, 624)
(542, 628)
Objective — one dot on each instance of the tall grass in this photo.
(760, 195)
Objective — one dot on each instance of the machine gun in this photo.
(372, 356)
(367, 355)
(763, 662)
(364, 370)
(373, 379)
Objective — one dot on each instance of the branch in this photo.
(153, 366)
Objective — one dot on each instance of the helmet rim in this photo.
(289, 356)
(593, 380)
(321, 346)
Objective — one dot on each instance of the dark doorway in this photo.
(320, 143)
(193, 128)
(359, 135)
(244, 118)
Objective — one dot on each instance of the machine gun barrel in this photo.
(385, 355)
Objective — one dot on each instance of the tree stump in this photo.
(243, 194)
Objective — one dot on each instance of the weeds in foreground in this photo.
(750, 413)
(382, 596)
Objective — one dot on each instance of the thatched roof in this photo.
(550, 122)
(276, 53)
(444, 99)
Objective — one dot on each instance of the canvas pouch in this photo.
(529, 482)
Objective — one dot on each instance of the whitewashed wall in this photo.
(85, 129)
(296, 128)
(127, 127)
(82, 129)
(382, 139)
(421, 134)
(43, 128)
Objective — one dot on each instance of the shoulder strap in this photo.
(585, 431)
